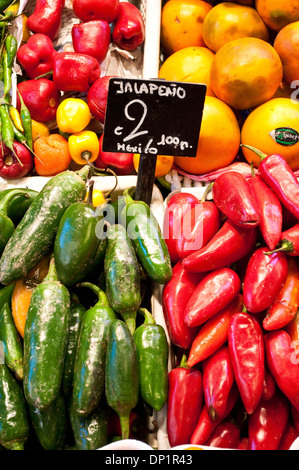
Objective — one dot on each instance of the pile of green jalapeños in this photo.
(92, 351)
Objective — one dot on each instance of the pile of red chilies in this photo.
(231, 310)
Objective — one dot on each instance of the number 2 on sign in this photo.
(129, 116)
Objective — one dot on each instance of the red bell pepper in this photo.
(283, 363)
(176, 209)
(121, 163)
(218, 379)
(226, 436)
(214, 333)
(12, 167)
(286, 304)
(270, 211)
(233, 196)
(198, 226)
(230, 244)
(265, 276)
(246, 348)
(213, 293)
(288, 437)
(269, 386)
(46, 18)
(75, 72)
(175, 295)
(206, 425)
(97, 97)
(88, 10)
(92, 38)
(36, 55)
(41, 98)
(277, 173)
(129, 29)
(185, 400)
(268, 423)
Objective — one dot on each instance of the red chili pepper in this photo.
(218, 379)
(295, 417)
(46, 18)
(265, 276)
(214, 333)
(233, 196)
(230, 244)
(198, 226)
(75, 72)
(121, 163)
(175, 295)
(246, 348)
(213, 293)
(41, 98)
(226, 436)
(206, 425)
(129, 28)
(277, 173)
(283, 363)
(270, 211)
(286, 304)
(177, 207)
(289, 241)
(268, 423)
(36, 55)
(92, 38)
(185, 400)
(269, 386)
(88, 10)
(288, 437)
(292, 329)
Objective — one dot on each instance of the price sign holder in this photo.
(150, 118)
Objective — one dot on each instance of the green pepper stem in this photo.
(125, 425)
(52, 273)
(183, 362)
(130, 320)
(148, 317)
(261, 154)
(285, 247)
(5, 201)
(127, 194)
(207, 190)
(102, 297)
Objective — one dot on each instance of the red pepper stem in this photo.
(183, 362)
(285, 247)
(261, 154)
(90, 191)
(44, 75)
(148, 318)
(207, 190)
(252, 169)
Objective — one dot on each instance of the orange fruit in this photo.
(219, 139)
(278, 13)
(246, 72)
(181, 24)
(191, 64)
(163, 164)
(228, 21)
(286, 45)
(280, 115)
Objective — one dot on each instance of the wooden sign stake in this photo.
(145, 178)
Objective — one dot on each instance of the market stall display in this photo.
(162, 324)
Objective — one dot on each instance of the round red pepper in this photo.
(177, 207)
(175, 296)
(36, 55)
(246, 348)
(230, 244)
(265, 276)
(41, 98)
(88, 10)
(218, 379)
(185, 399)
(129, 29)
(233, 196)
(92, 38)
(283, 363)
(226, 436)
(121, 163)
(46, 18)
(97, 97)
(214, 292)
(12, 167)
(75, 72)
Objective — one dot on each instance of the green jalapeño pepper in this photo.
(12, 345)
(6, 224)
(152, 357)
(144, 231)
(18, 206)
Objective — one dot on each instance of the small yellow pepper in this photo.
(14, 8)
(98, 197)
(84, 147)
(15, 116)
(72, 115)
(26, 31)
(39, 129)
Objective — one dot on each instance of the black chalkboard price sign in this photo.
(152, 117)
